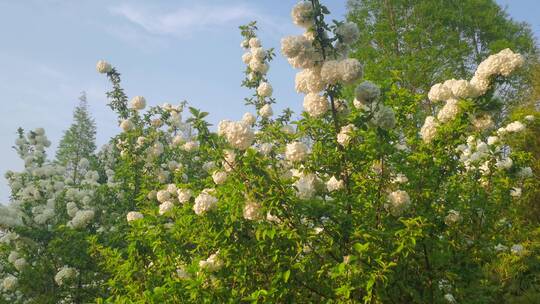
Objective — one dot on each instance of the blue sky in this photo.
(167, 51)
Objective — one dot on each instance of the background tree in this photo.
(427, 41)
(79, 141)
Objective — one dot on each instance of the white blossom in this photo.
(184, 195)
(296, 151)
(429, 129)
(165, 207)
(452, 218)
(103, 67)
(126, 125)
(134, 215)
(137, 103)
(367, 92)
(212, 263)
(266, 111)
(252, 211)
(219, 177)
(302, 14)
(204, 202)
(264, 89)
(449, 112)
(333, 184)
(350, 70)
(65, 273)
(316, 105)
(399, 201)
(249, 118)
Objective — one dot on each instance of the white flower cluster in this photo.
(334, 184)
(317, 71)
(344, 136)
(398, 202)
(255, 58)
(252, 211)
(205, 202)
(238, 133)
(212, 263)
(296, 151)
(103, 67)
(65, 273)
(134, 215)
(450, 91)
(137, 103)
(306, 184)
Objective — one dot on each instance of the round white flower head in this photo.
(252, 211)
(515, 192)
(165, 207)
(429, 129)
(258, 54)
(462, 89)
(291, 46)
(238, 134)
(20, 264)
(191, 146)
(302, 14)
(81, 219)
(439, 92)
(219, 177)
(515, 126)
(449, 112)
(491, 140)
(309, 81)
(254, 43)
(348, 32)
(65, 273)
(266, 111)
(137, 103)
(258, 66)
(204, 202)
(529, 118)
(306, 185)
(525, 172)
(333, 184)
(126, 125)
(163, 196)
(103, 67)
(134, 215)
(367, 92)
(212, 263)
(249, 118)
(184, 195)
(315, 104)
(399, 201)
(384, 117)
(452, 218)
(331, 72)
(264, 89)
(9, 283)
(296, 151)
(450, 298)
(350, 70)
(344, 136)
(246, 58)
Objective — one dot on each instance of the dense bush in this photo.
(354, 201)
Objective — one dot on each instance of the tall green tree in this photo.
(79, 141)
(424, 42)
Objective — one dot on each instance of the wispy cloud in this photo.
(183, 21)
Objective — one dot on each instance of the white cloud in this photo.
(184, 20)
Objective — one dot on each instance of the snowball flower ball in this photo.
(399, 202)
(296, 151)
(219, 177)
(249, 118)
(334, 184)
(429, 129)
(252, 211)
(367, 92)
(134, 215)
(350, 70)
(302, 14)
(137, 103)
(126, 125)
(103, 67)
(266, 111)
(315, 104)
(165, 207)
(204, 202)
(64, 274)
(264, 89)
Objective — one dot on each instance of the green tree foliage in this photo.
(79, 141)
(428, 41)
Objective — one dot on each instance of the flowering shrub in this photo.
(352, 202)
